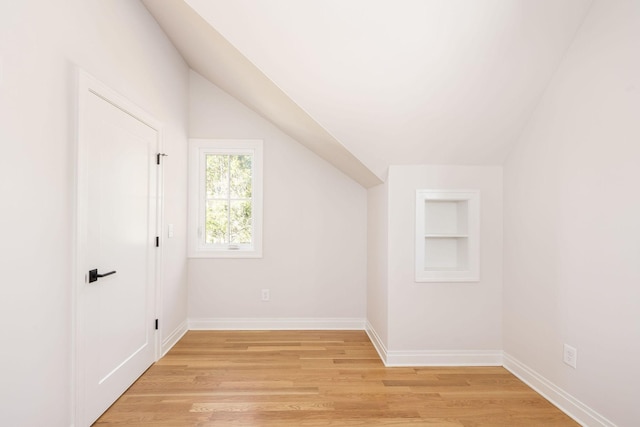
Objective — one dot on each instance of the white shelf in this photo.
(445, 236)
(447, 228)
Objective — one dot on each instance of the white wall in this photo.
(572, 222)
(314, 238)
(457, 317)
(377, 261)
(41, 42)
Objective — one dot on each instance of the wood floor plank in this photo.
(314, 379)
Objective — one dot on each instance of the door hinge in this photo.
(157, 241)
(158, 157)
(156, 324)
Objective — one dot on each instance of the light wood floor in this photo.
(318, 378)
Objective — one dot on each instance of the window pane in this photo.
(240, 182)
(240, 222)
(217, 222)
(217, 176)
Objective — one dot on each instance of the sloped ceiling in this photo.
(370, 83)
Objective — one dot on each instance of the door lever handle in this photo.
(94, 276)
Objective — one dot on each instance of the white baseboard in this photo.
(433, 357)
(377, 342)
(173, 338)
(568, 404)
(253, 324)
(444, 358)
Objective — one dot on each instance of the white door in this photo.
(117, 200)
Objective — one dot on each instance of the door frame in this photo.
(87, 85)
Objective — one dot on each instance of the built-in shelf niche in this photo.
(447, 235)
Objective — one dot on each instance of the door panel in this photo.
(116, 313)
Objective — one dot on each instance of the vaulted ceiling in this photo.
(370, 83)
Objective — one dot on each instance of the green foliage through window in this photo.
(228, 219)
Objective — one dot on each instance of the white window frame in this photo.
(198, 150)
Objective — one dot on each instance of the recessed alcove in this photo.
(447, 224)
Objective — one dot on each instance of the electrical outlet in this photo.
(265, 295)
(570, 356)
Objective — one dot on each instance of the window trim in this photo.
(198, 149)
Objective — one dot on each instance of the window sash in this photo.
(228, 244)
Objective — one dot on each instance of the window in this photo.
(225, 203)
